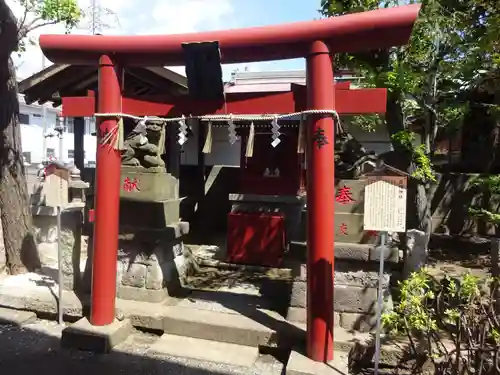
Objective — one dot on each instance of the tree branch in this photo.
(21, 24)
(31, 27)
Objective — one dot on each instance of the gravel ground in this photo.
(35, 348)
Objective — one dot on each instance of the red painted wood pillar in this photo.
(107, 197)
(320, 204)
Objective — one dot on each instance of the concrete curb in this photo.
(16, 317)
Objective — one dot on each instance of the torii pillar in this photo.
(365, 31)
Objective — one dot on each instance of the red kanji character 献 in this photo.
(343, 229)
(344, 195)
(372, 233)
(130, 185)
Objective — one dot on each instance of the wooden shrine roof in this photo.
(58, 80)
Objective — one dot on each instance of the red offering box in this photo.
(256, 238)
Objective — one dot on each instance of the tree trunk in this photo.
(20, 246)
(418, 208)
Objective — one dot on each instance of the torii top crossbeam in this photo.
(381, 28)
(314, 40)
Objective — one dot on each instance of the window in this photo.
(90, 128)
(24, 118)
(71, 154)
(27, 157)
(50, 153)
(69, 125)
(58, 121)
(37, 115)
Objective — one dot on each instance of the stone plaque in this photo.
(385, 204)
(147, 185)
(349, 207)
(349, 196)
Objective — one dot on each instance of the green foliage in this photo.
(484, 214)
(454, 44)
(41, 13)
(423, 165)
(459, 310)
(368, 123)
(489, 185)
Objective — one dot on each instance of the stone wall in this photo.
(452, 195)
(355, 285)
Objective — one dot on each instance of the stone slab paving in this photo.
(35, 348)
(205, 350)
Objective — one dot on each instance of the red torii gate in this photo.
(347, 101)
(381, 28)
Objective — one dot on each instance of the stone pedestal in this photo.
(45, 226)
(149, 215)
(98, 339)
(355, 286)
(151, 263)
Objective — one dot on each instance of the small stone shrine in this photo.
(150, 256)
(45, 225)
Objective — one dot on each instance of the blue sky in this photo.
(181, 16)
(269, 12)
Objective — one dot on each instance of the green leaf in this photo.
(41, 13)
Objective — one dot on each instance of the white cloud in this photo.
(138, 17)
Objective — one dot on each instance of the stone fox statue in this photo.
(144, 146)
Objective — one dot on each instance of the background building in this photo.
(37, 120)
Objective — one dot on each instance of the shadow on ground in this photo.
(35, 348)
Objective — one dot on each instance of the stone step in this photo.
(258, 328)
(228, 302)
(204, 350)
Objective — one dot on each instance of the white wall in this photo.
(377, 141)
(223, 152)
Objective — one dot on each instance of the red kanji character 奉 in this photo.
(372, 233)
(344, 195)
(130, 185)
(343, 229)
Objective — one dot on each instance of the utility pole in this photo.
(44, 122)
(97, 18)
(94, 9)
